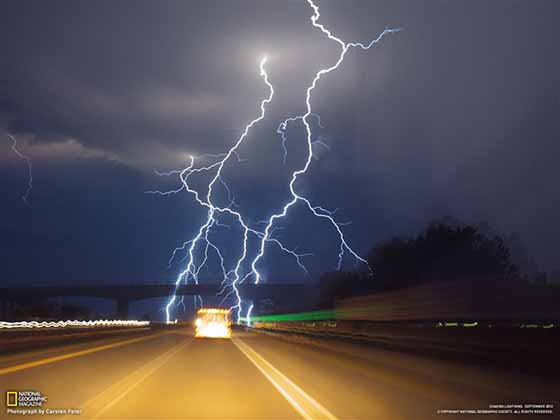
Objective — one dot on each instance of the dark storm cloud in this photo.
(117, 75)
(456, 115)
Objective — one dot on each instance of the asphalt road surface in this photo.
(170, 374)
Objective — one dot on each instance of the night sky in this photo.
(455, 117)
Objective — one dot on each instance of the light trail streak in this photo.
(73, 324)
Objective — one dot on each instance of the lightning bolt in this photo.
(284, 126)
(27, 159)
(316, 210)
(214, 211)
(232, 278)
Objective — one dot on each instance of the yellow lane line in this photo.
(60, 357)
(303, 403)
(4, 359)
(131, 381)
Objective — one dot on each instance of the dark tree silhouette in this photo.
(442, 253)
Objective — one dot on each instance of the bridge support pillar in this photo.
(123, 306)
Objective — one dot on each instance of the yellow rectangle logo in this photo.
(12, 398)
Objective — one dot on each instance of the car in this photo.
(212, 323)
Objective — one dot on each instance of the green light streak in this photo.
(302, 316)
(357, 314)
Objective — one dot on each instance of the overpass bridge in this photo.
(125, 294)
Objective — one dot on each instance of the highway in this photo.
(170, 374)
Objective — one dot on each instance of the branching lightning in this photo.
(203, 239)
(192, 270)
(27, 160)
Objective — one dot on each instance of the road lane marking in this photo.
(24, 355)
(60, 357)
(304, 404)
(391, 373)
(114, 387)
(131, 381)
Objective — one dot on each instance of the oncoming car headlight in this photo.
(213, 323)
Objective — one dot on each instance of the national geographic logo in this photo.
(12, 398)
(25, 399)
(31, 403)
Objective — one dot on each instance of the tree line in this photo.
(440, 253)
